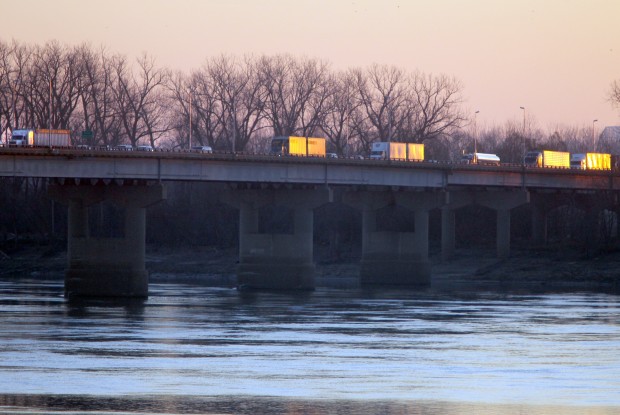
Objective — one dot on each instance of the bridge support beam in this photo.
(389, 257)
(276, 261)
(106, 267)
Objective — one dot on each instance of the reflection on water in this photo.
(194, 349)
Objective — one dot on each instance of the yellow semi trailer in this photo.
(298, 146)
(547, 158)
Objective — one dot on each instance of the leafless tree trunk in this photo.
(54, 75)
(382, 92)
(238, 88)
(139, 99)
(295, 94)
(99, 112)
(614, 94)
(339, 122)
(434, 108)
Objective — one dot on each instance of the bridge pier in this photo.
(502, 202)
(391, 257)
(106, 267)
(276, 261)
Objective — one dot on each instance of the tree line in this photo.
(231, 103)
(237, 103)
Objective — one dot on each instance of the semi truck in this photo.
(481, 158)
(40, 138)
(397, 151)
(591, 161)
(298, 146)
(547, 158)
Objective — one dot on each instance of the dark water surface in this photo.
(196, 349)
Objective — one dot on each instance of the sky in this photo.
(555, 58)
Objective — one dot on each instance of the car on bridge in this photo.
(145, 148)
(123, 147)
(202, 149)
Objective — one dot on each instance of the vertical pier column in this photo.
(448, 238)
(394, 258)
(503, 233)
(276, 261)
(539, 225)
(503, 202)
(106, 267)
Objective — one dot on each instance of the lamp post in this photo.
(190, 118)
(475, 132)
(593, 141)
(49, 130)
(523, 134)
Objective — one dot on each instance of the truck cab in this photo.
(533, 159)
(19, 138)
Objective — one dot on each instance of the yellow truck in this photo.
(298, 146)
(547, 158)
(397, 151)
(415, 152)
(591, 161)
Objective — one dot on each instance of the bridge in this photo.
(136, 180)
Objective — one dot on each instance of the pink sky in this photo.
(556, 58)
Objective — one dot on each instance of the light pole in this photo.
(475, 132)
(49, 130)
(593, 141)
(190, 118)
(523, 134)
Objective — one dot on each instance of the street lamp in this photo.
(593, 143)
(190, 118)
(523, 134)
(475, 132)
(49, 130)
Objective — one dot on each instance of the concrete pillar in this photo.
(394, 258)
(502, 202)
(270, 260)
(503, 233)
(448, 239)
(106, 267)
(539, 225)
(453, 200)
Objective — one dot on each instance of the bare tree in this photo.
(382, 92)
(340, 117)
(138, 97)
(98, 110)
(237, 86)
(207, 109)
(54, 76)
(19, 68)
(614, 94)
(295, 93)
(433, 107)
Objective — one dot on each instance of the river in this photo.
(190, 348)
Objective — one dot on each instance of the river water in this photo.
(200, 349)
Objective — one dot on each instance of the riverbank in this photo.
(526, 268)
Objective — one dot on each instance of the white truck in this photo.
(40, 138)
(481, 158)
